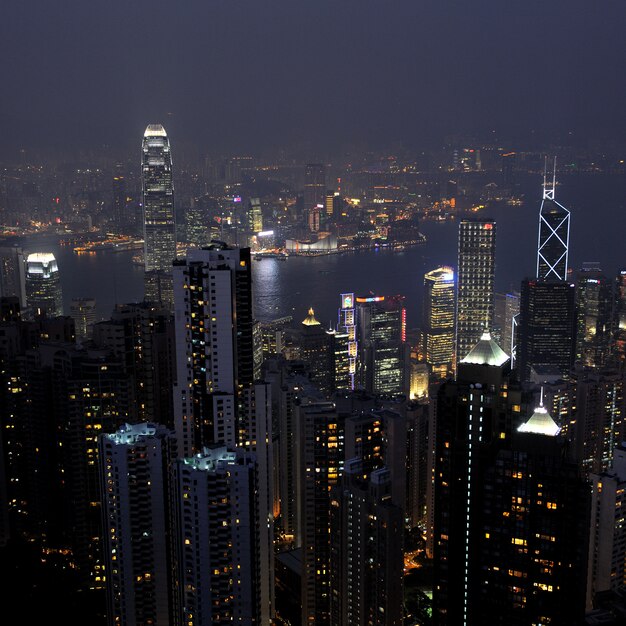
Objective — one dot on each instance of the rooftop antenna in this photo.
(548, 191)
(541, 398)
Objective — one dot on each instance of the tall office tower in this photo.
(158, 200)
(142, 337)
(347, 325)
(597, 416)
(314, 344)
(508, 170)
(83, 312)
(511, 509)
(134, 485)
(159, 217)
(215, 352)
(321, 461)
(475, 283)
(594, 316)
(314, 193)
(121, 219)
(607, 539)
(340, 356)
(43, 285)
(383, 352)
(553, 243)
(419, 460)
(546, 327)
(329, 204)
(255, 216)
(506, 309)
(366, 568)
(13, 273)
(438, 321)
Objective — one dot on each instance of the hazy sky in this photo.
(250, 74)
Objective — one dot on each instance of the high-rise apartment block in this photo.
(135, 464)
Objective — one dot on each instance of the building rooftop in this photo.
(486, 352)
(540, 423)
(310, 320)
(155, 130)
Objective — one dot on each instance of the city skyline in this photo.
(356, 355)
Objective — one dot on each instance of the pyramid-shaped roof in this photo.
(540, 423)
(486, 352)
(310, 320)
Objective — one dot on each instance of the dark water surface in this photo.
(598, 233)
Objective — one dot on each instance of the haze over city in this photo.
(313, 312)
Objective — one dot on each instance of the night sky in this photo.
(256, 75)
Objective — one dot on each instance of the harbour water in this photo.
(598, 233)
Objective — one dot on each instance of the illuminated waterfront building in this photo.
(475, 283)
(383, 365)
(314, 194)
(553, 244)
(43, 285)
(347, 326)
(159, 225)
(438, 321)
(255, 217)
(158, 200)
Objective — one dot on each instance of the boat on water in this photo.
(281, 256)
(110, 245)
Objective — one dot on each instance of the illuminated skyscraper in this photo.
(594, 316)
(314, 194)
(159, 227)
(438, 320)
(547, 326)
(553, 244)
(383, 352)
(43, 285)
(475, 283)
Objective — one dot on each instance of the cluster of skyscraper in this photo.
(204, 467)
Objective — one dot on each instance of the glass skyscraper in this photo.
(475, 283)
(439, 320)
(43, 284)
(159, 226)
